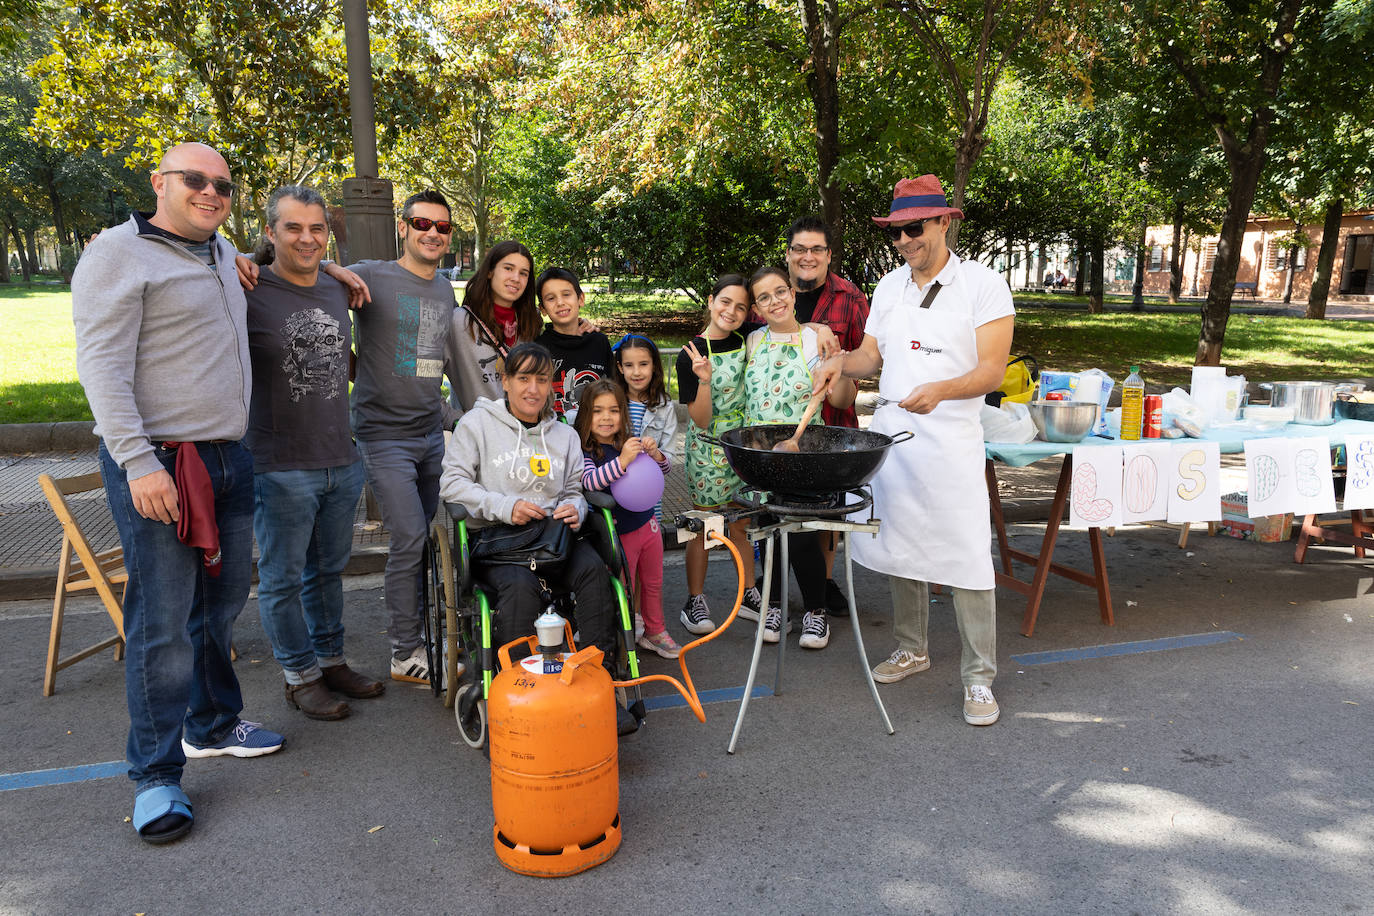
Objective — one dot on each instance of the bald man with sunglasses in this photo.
(162, 352)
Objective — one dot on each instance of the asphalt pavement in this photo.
(1219, 764)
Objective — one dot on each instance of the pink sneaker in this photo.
(660, 643)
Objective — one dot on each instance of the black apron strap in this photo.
(931, 294)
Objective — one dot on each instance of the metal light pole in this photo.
(369, 207)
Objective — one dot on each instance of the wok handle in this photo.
(707, 437)
(903, 436)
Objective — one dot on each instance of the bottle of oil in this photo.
(1132, 404)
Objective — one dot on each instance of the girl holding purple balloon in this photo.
(632, 468)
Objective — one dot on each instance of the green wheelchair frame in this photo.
(458, 615)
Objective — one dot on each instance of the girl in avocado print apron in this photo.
(777, 382)
(710, 372)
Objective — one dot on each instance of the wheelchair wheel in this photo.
(471, 713)
(433, 611)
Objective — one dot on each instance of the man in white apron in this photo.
(940, 330)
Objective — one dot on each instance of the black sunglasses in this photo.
(422, 224)
(197, 181)
(910, 230)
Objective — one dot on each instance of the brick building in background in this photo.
(1265, 256)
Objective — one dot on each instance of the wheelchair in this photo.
(458, 609)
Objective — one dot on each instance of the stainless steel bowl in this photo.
(1063, 421)
(1312, 402)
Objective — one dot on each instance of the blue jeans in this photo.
(404, 474)
(178, 619)
(304, 524)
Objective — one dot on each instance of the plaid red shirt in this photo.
(844, 309)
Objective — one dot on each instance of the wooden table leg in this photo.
(1104, 592)
(1042, 566)
(999, 522)
(1359, 529)
(1304, 536)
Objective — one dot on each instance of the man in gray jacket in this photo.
(162, 352)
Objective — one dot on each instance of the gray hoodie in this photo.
(161, 344)
(493, 460)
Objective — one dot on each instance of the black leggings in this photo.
(808, 565)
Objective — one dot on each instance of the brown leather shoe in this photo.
(315, 700)
(343, 679)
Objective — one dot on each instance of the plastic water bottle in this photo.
(1132, 404)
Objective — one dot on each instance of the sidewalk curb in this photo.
(24, 438)
(30, 582)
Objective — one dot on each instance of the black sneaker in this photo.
(835, 600)
(625, 722)
(750, 606)
(815, 631)
(696, 616)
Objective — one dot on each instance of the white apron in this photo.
(931, 493)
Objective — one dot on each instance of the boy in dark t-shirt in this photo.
(577, 358)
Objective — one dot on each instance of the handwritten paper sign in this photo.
(1145, 479)
(1359, 473)
(1195, 482)
(1289, 475)
(1095, 493)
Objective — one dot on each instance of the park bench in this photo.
(1248, 288)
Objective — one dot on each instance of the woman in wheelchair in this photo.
(511, 464)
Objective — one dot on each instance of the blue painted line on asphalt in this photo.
(721, 695)
(35, 778)
(1127, 648)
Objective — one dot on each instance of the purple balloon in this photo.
(641, 485)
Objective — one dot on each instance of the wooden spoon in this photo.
(794, 443)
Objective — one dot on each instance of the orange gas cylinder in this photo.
(555, 784)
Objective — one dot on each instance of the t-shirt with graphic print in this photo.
(401, 334)
(298, 339)
(577, 360)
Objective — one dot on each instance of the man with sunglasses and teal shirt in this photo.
(162, 352)
(940, 331)
(399, 412)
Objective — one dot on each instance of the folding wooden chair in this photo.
(81, 569)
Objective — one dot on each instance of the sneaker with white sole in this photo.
(248, 739)
(413, 668)
(815, 631)
(900, 664)
(750, 604)
(980, 708)
(772, 625)
(696, 616)
(661, 643)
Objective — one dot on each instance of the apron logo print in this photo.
(916, 345)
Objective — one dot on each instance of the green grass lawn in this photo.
(38, 347)
(38, 356)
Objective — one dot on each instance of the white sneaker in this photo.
(413, 668)
(772, 625)
(815, 631)
(979, 706)
(749, 606)
(696, 616)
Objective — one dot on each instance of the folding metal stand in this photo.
(772, 534)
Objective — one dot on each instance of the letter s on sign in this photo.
(1193, 481)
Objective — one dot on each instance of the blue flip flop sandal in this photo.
(162, 814)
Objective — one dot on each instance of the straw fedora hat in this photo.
(918, 198)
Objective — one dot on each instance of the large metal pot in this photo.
(1311, 401)
(1347, 408)
(832, 458)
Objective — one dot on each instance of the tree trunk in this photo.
(1246, 165)
(1138, 289)
(821, 26)
(967, 149)
(1292, 257)
(1176, 251)
(1096, 290)
(25, 267)
(59, 223)
(4, 257)
(31, 241)
(1326, 260)
(1080, 249)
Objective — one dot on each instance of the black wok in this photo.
(832, 458)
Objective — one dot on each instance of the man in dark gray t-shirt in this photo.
(399, 411)
(307, 475)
